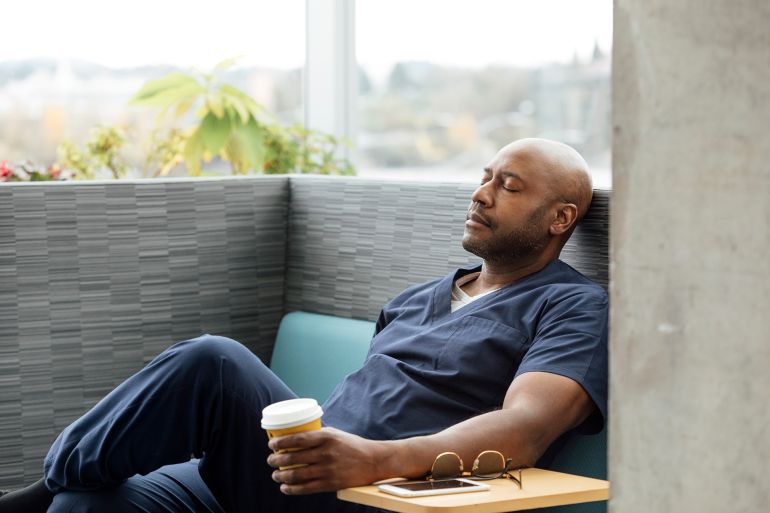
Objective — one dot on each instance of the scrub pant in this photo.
(201, 398)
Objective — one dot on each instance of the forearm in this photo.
(537, 409)
(511, 431)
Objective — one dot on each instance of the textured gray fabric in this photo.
(588, 250)
(97, 279)
(354, 244)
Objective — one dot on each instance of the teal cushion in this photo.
(314, 352)
(583, 455)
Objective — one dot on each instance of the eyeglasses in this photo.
(487, 465)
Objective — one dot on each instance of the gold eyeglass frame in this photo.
(487, 465)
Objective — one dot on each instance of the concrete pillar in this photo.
(690, 264)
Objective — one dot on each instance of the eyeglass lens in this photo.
(489, 464)
(447, 464)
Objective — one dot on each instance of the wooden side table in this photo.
(542, 488)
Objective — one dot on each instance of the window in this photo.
(443, 85)
(68, 66)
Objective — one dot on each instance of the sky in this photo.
(195, 33)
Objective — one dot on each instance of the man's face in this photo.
(510, 212)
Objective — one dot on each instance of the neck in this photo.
(495, 275)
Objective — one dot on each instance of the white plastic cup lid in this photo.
(294, 412)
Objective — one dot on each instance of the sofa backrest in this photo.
(313, 353)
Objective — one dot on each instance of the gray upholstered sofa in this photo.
(97, 278)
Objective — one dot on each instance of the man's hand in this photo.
(335, 460)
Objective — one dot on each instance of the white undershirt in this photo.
(459, 297)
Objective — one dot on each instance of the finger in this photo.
(317, 486)
(303, 457)
(299, 475)
(302, 440)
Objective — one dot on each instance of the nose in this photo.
(483, 194)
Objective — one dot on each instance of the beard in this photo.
(519, 243)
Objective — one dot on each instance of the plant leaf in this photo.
(169, 84)
(215, 104)
(201, 112)
(247, 101)
(214, 132)
(227, 63)
(193, 152)
(233, 152)
(251, 144)
(183, 106)
(166, 99)
(236, 102)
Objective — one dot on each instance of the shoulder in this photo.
(564, 282)
(560, 298)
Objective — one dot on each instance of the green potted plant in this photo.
(232, 126)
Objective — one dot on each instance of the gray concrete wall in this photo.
(690, 261)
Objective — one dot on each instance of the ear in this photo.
(566, 217)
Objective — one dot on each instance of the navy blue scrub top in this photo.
(429, 368)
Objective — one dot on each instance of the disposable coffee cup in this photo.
(292, 416)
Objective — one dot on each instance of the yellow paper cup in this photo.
(292, 416)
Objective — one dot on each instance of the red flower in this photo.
(6, 171)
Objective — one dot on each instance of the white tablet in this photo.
(436, 487)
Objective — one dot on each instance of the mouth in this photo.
(475, 219)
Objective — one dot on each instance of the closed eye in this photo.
(488, 177)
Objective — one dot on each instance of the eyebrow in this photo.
(506, 174)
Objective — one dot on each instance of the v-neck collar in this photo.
(442, 293)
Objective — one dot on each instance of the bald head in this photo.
(560, 168)
(531, 197)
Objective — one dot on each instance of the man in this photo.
(504, 356)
